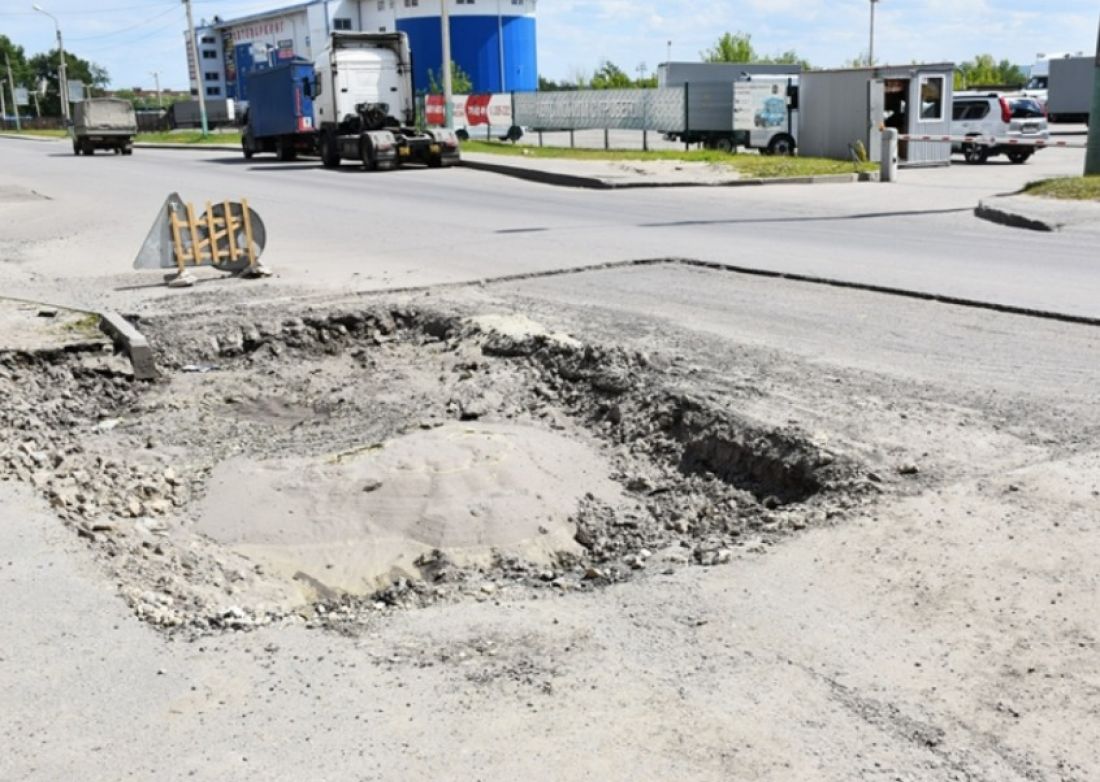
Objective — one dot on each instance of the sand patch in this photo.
(356, 520)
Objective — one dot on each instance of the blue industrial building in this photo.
(492, 41)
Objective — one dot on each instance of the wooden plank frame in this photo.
(196, 241)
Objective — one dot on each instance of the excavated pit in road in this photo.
(334, 464)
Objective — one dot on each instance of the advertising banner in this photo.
(471, 110)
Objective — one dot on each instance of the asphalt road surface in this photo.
(946, 632)
(347, 230)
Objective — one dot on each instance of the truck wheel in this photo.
(330, 155)
(285, 150)
(128, 149)
(76, 147)
(366, 154)
(89, 148)
(724, 144)
(781, 145)
(246, 147)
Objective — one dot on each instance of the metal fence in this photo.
(662, 109)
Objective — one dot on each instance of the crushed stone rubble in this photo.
(123, 462)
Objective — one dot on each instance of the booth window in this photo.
(931, 98)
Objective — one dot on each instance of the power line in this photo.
(150, 34)
(126, 29)
(96, 12)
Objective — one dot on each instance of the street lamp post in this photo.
(62, 77)
(156, 79)
(871, 48)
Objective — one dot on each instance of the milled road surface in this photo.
(346, 230)
(947, 632)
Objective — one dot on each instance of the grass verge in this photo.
(189, 137)
(1076, 188)
(169, 137)
(751, 166)
(31, 132)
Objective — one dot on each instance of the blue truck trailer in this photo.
(279, 117)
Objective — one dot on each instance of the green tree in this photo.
(985, 71)
(731, 47)
(737, 47)
(789, 57)
(461, 84)
(45, 66)
(610, 76)
(18, 57)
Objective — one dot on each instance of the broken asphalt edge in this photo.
(596, 183)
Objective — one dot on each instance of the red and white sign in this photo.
(471, 110)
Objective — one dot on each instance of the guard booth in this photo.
(841, 107)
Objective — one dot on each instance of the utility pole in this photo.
(500, 46)
(156, 78)
(198, 68)
(1092, 154)
(871, 48)
(11, 84)
(445, 21)
(62, 76)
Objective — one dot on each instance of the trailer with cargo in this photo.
(730, 105)
(104, 123)
(279, 117)
(1069, 89)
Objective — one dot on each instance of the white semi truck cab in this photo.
(364, 105)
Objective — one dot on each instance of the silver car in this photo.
(1015, 121)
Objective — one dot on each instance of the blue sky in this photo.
(132, 38)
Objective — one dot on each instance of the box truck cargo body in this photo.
(1069, 89)
(279, 117)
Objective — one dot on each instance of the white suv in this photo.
(1007, 118)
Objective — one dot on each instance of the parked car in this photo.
(996, 115)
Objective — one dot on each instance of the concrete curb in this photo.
(128, 339)
(24, 137)
(215, 147)
(596, 183)
(1013, 219)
